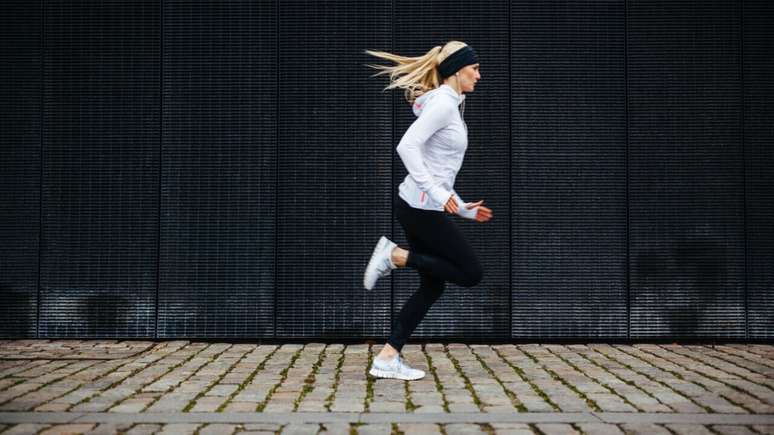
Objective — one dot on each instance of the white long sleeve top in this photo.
(432, 149)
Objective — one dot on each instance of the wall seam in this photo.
(510, 178)
(744, 168)
(41, 120)
(392, 168)
(161, 147)
(276, 162)
(626, 154)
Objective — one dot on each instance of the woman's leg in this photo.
(417, 305)
(446, 252)
(438, 250)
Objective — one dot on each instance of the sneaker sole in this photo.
(387, 374)
(371, 263)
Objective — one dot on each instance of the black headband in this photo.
(460, 58)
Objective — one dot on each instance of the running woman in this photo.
(432, 149)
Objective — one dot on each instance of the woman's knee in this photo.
(433, 287)
(473, 274)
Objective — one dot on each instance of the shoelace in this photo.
(384, 266)
(402, 366)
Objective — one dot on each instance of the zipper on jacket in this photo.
(462, 115)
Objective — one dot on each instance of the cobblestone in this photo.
(182, 387)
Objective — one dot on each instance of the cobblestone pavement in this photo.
(177, 387)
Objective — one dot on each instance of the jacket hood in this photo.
(444, 89)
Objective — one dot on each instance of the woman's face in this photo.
(468, 77)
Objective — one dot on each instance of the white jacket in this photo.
(432, 149)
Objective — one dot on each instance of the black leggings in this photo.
(440, 253)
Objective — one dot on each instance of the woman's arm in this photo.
(478, 213)
(433, 118)
(462, 210)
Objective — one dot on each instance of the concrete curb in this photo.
(375, 417)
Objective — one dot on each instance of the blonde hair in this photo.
(416, 75)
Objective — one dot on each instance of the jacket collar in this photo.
(450, 90)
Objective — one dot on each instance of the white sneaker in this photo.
(380, 264)
(395, 368)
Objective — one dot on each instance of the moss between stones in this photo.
(511, 395)
(336, 380)
(438, 385)
(192, 403)
(589, 402)
(249, 379)
(706, 408)
(369, 381)
(310, 378)
(524, 378)
(283, 374)
(468, 385)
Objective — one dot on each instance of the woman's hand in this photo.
(451, 205)
(483, 214)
